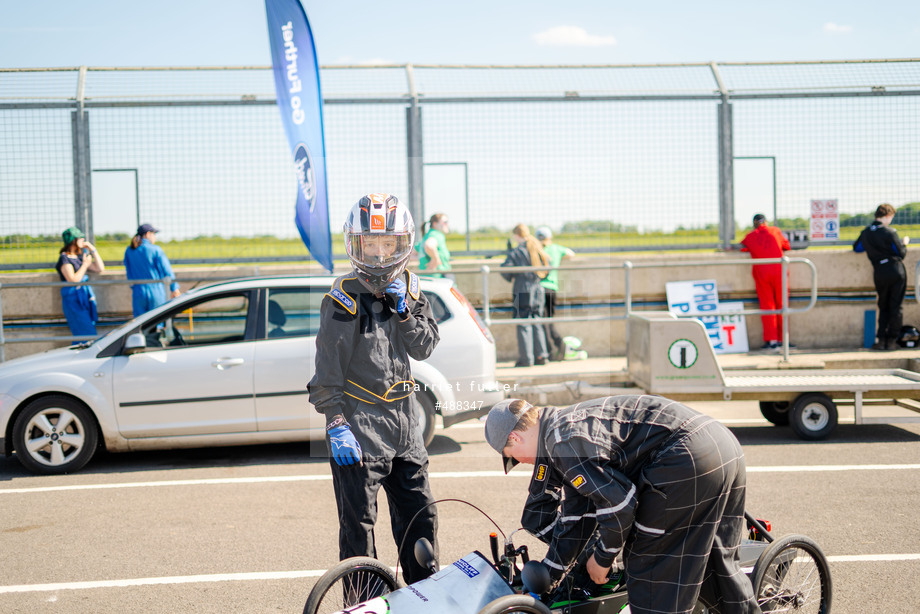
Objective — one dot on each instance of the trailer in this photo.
(673, 357)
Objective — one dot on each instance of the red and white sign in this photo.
(825, 221)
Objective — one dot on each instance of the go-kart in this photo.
(788, 574)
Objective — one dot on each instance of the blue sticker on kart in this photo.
(466, 568)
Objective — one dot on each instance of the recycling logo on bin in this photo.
(683, 354)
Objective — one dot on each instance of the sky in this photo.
(59, 33)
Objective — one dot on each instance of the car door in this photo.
(195, 376)
(284, 358)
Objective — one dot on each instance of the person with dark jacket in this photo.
(648, 478)
(886, 252)
(371, 322)
(528, 296)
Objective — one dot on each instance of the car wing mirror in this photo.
(136, 342)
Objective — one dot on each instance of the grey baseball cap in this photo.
(499, 424)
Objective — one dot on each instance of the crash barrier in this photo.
(4, 340)
(627, 267)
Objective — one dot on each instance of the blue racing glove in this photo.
(345, 448)
(397, 289)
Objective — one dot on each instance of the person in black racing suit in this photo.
(886, 252)
(371, 322)
(643, 475)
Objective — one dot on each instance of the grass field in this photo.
(217, 250)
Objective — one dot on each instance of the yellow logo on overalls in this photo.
(541, 473)
(578, 481)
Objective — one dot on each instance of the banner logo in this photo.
(303, 166)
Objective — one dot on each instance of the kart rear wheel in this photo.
(775, 412)
(792, 575)
(509, 604)
(813, 416)
(348, 583)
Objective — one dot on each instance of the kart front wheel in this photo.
(792, 575)
(510, 604)
(352, 581)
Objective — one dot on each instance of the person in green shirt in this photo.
(434, 257)
(550, 283)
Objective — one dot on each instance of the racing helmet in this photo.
(909, 337)
(379, 235)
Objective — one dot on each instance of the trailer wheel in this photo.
(813, 416)
(776, 412)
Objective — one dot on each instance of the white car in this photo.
(221, 365)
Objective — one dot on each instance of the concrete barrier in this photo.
(844, 279)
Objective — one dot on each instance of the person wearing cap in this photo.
(767, 241)
(434, 257)
(886, 251)
(550, 283)
(77, 258)
(648, 478)
(146, 260)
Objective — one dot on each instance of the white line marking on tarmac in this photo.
(433, 475)
(315, 573)
(221, 577)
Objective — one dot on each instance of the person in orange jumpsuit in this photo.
(767, 241)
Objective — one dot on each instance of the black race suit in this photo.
(655, 479)
(362, 373)
(886, 252)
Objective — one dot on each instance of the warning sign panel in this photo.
(825, 221)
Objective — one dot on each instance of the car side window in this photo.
(293, 312)
(218, 320)
(438, 309)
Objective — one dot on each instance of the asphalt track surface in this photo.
(248, 529)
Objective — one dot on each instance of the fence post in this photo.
(726, 165)
(416, 200)
(82, 169)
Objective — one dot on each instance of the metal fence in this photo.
(612, 157)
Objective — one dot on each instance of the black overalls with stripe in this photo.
(886, 252)
(654, 479)
(362, 373)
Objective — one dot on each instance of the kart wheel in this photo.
(350, 582)
(776, 412)
(55, 434)
(509, 604)
(792, 575)
(426, 416)
(813, 416)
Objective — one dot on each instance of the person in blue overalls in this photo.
(77, 258)
(145, 260)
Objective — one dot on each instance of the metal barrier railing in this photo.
(93, 282)
(627, 267)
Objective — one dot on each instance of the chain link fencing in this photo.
(612, 158)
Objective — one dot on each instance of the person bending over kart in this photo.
(654, 478)
(371, 322)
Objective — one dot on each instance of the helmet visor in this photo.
(378, 251)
